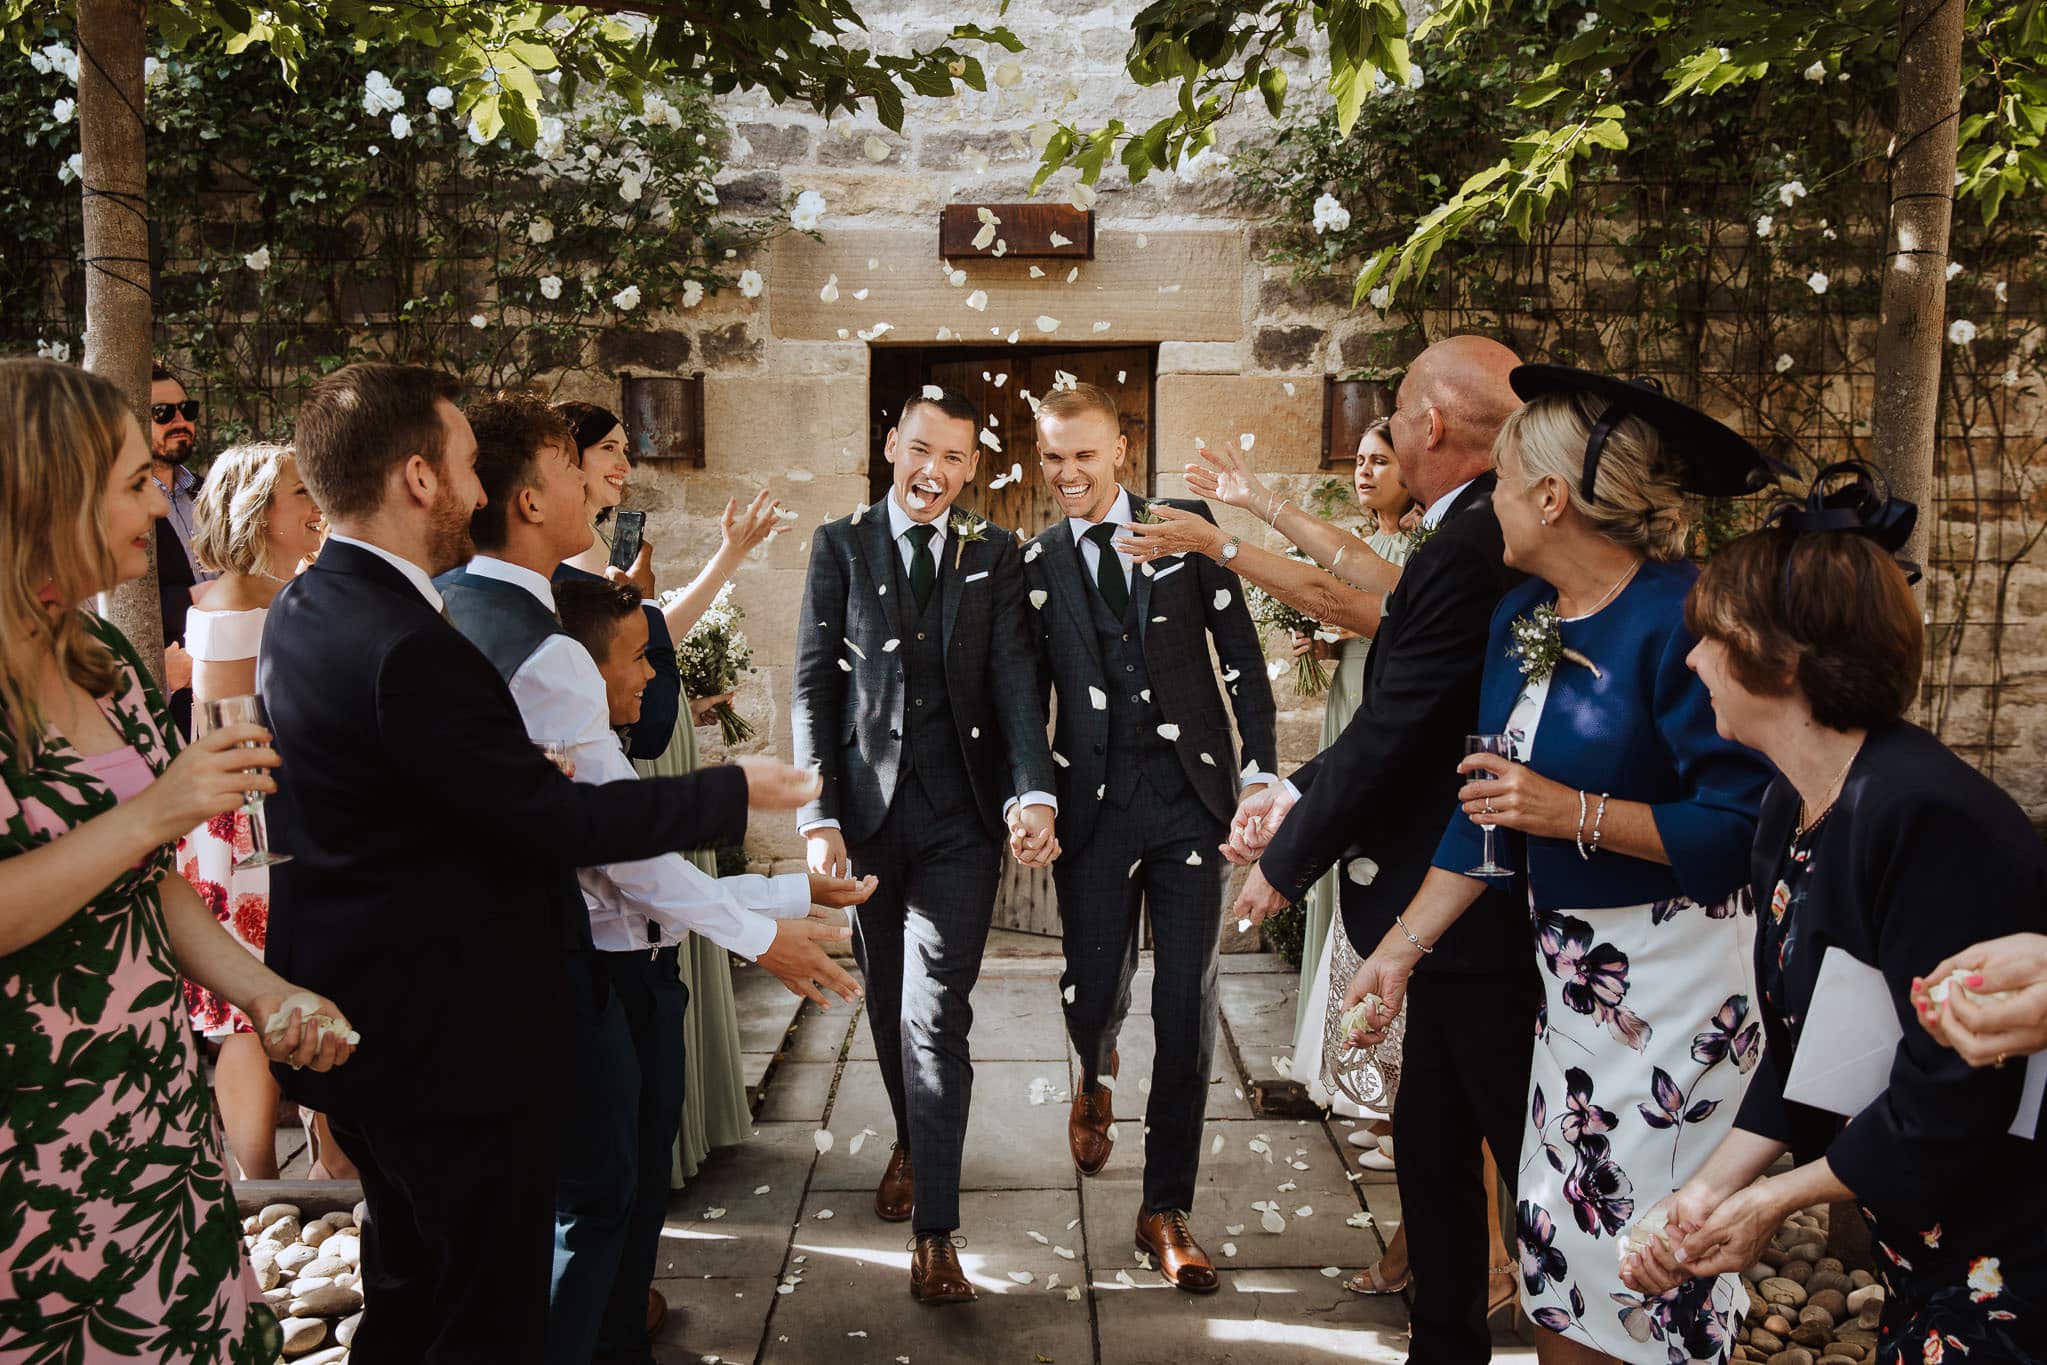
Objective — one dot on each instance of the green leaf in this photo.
(1272, 84)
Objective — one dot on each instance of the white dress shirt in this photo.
(648, 902)
(900, 521)
(418, 577)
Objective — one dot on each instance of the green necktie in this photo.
(1109, 569)
(923, 571)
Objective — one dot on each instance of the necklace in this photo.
(1607, 596)
(1832, 792)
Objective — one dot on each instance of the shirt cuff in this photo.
(756, 936)
(1293, 793)
(1030, 799)
(1253, 776)
(788, 896)
(817, 824)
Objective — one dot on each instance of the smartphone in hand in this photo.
(625, 541)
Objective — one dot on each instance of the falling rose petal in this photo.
(863, 656)
(1084, 197)
(974, 733)
(1060, 239)
(887, 647)
(1305, 1211)
(1101, 791)
(713, 1215)
(990, 440)
(1060, 759)
(830, 292)
(1098, 698)
(1330, 1272)
(1100, 327)
(1040, 1238)
(1064, 1253)
(1123, 1278)
(1271, 1221)
(859, 1139)
(1032, 551)
(1001, 379)
(984, 237)
(978, 300)
(1001, 248)
(1194, 858)
(1229, 1249)
(1169, 731)
(1209, 759)
(1120, 374)
(1047, 323)
(1288, 385)
(1073, 274)
(845, 667)
(859, 293)
(1222, 599)
(822, 1140)
(823, 1215)
(1038, 596)
(760, 1189)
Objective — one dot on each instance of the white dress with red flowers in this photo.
(1643, 1049)
(240, 900)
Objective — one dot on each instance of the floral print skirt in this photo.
(1950, 1296)
(239, 899)
(1643, 1049)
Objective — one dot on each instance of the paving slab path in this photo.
(774, 1255)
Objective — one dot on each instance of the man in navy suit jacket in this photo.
(429, 840)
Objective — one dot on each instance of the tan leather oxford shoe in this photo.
(1087, 1126)
(935, 1274)
(1165, 1238)
(896, 1193)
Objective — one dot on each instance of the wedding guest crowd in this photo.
(1609, 859)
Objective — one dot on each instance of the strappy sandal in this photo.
(1501, 1298)
(1367, 1281)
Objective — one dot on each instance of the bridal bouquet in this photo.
(711, 658)
(1310, 678)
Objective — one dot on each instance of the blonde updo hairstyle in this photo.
(1641, 505)
(231, 512)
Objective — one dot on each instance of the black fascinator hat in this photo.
(1852, 496)
(1716, 460)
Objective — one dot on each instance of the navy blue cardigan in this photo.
(1922, 857)
(660, 705)
(1641, 731)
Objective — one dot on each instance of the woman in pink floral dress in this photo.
(118, 1233)
(253, 521)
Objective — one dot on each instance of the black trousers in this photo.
(1463, 1079)
(456, 1251)
(919, 941)
(1138, 856)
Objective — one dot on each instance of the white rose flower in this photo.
(1954, 268)
(259, 259)
(540, 231)
(808, 211)
(379, 96)
(1817, 282)
(692, 293)
(64, 110)
(630, 188)
(1588, 21)
(73, 168)
(1961, 331)
(476, 133)
(1790, 192)
(1084, 196)
(750, 283)
(627, 298)
(1784, 362)
(478, 321)
(401, 126)
(2001, 292)
(59, 351)
(1765, 225)
(548, 146)
(550, 286)
(1816, 73)
(441, 97)
(1205, 164)
(1330, 214)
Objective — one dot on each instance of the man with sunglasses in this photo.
(173, 441)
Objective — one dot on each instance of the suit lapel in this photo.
(1064, 568)
(1140, 581)
(878, 556)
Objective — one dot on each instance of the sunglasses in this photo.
(161, 413)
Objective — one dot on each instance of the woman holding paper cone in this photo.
(121, 1224)
(1880, 856)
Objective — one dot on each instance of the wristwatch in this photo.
(1230, 548)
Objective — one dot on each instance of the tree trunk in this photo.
(1911, 330)
(112, 40)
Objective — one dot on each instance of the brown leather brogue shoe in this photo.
(1172, 1248)
(935, 1274)
(896, 1193)
(657, 1311)
(1087, 1126)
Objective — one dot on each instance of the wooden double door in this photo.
(996, 381)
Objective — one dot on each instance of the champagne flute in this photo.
(246, 709)
(1502, 745)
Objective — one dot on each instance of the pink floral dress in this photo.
(119, 1238)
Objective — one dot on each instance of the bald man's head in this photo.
(1449, 408)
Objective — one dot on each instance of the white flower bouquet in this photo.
(711, 658)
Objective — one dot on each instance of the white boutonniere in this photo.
(1536, 642)
(965, 530)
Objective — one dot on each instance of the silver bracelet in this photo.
(1426, 949)
(1582, 854)
(1598, 820)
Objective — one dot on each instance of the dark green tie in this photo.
(1109, 569)
(923, 573)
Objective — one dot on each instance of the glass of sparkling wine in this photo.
(558, 753)
(247, 709)
(1503, 745)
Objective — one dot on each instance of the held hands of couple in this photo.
(1032, 839)
(1499, 791)
(1984, 1031)
(208, 778)
(774, 785)
(1259, 813)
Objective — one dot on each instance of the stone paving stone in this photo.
(820, 1033)
(1011, 1143)
(1227, 1096)
(750, 1237)
(764, 1006)
(797, 1092)
(1230, 1182)
(856, 1278)
(1016, 1018)
(712, 1318)
(1259, 1315)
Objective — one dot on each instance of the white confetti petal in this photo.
(823, 1215)
(1060, 759)
(1235, 1229)
(1073, 1294)
(991, 440)
(1209, 759)
(714, 1215)
(760, 1189)
(822, 1139)
(933, 392)
(860, 1138)
(1229, 1249)
(845, 667)
(1243, 926)
(1023, 1277)
(889, 646)
(974, 732)
(1194, 858)
(860, 293)
(1037, 273)
(1271, 1221)
(978, 300)
(1038, 595)
(1099, 327)
(1098, 698)
(1305, 1211)
(1330, 1272)
(1288, 385)
(1040, 1238)
(985, 236)
(862, 654)
(1064, 1253)
(830, 292)
(1047, 323)
(1073, 274)
(1067, 995)
(1123, 1278)
(1120, 374)
(1169, 731)
(1133, 868)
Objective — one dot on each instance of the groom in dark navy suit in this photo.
(916, 696)
(1148, 779)
(430, 843)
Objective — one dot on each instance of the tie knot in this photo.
(919, 535)
(1103, 533)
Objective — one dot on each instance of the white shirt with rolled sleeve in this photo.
(648, 902)
(900, 521)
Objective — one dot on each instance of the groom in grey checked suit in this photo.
(1148, 779)
(917, 698)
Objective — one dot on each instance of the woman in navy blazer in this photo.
(1631, 822)
(1877, 841)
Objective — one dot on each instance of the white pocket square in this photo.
(972, 576)
(1168, 571)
